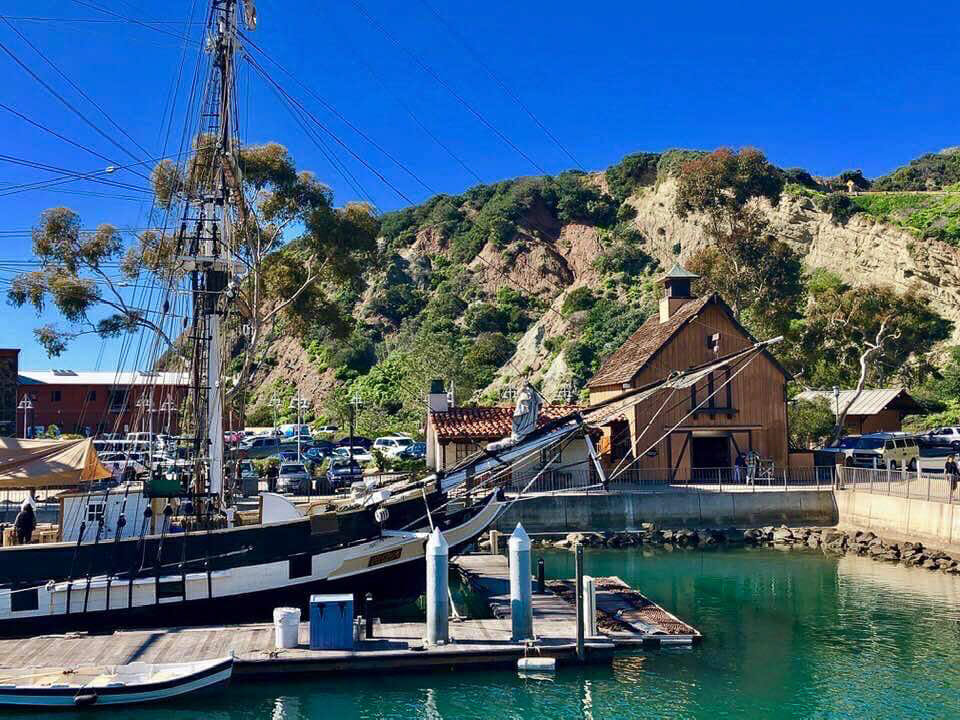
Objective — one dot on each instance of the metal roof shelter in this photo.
(72, 377)
(870, 402)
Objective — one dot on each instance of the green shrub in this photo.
(634, 171)
(927, 172)
(484, 317)
(582, 298)
(839, 205)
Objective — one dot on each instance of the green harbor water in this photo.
(788, 634)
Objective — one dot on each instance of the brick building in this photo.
(99, 402)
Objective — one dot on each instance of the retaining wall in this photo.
(616, 512)
(912, 518)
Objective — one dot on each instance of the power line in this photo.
(478, 58)
(134, 21)
(65, 102)
(76, 87)
(27, 18)
(313, 118)
(432, 73)
(397, 99)
(64, 137)
(68, 175)
(339, 115)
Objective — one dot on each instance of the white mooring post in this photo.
(521, 585)
(438, 603)
(589, 606)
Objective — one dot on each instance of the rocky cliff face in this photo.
(862, 251)
(548, 260)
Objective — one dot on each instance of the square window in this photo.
(55, 396)
(94, 512)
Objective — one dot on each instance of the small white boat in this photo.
(111, 684)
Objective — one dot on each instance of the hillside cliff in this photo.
(543, 277)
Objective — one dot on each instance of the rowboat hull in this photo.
(131, 684)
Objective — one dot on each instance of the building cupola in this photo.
(676, 290)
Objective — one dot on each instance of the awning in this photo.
(48, 463)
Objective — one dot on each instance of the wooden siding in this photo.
(757, 398)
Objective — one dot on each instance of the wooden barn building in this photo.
(749, 413)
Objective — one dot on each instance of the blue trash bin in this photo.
(331, 622)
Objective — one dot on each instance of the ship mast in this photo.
(206, 239)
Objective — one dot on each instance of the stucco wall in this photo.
(616, 512)
(929, 521)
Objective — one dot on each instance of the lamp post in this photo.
(356, 402)
(836, 404)
(300, 404)
(275, 402)
(25, 405)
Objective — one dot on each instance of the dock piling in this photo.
(521, 585)
(589, 606)
(541, 577)
(438, 603)
(581, 650)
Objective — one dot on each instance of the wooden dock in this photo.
(624, 616)
(396, 646)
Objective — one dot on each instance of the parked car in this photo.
(944, 437)
(320, 451)
(232, 437)
(358, 440)
(844, 446)
(260, 446)
(392, 445)
(326, 430)
(416, 451)
(342, 473)
(360, 454)
(293, 478)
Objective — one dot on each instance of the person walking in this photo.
(953, 474)
(739, 468)
(25, 523)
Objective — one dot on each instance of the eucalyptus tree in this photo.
(293, 249)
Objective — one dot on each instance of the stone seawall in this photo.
(934, 522)
(619, 512)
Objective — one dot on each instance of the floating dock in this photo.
(624, 616)
(396, 646)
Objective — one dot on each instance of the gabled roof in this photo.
(870, 402)
(469, 424)
(627, 360)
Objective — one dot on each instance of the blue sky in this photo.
(826, 86)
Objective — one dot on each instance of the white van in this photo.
(392, 445)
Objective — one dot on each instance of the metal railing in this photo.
(670, 480)
(919, 484)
